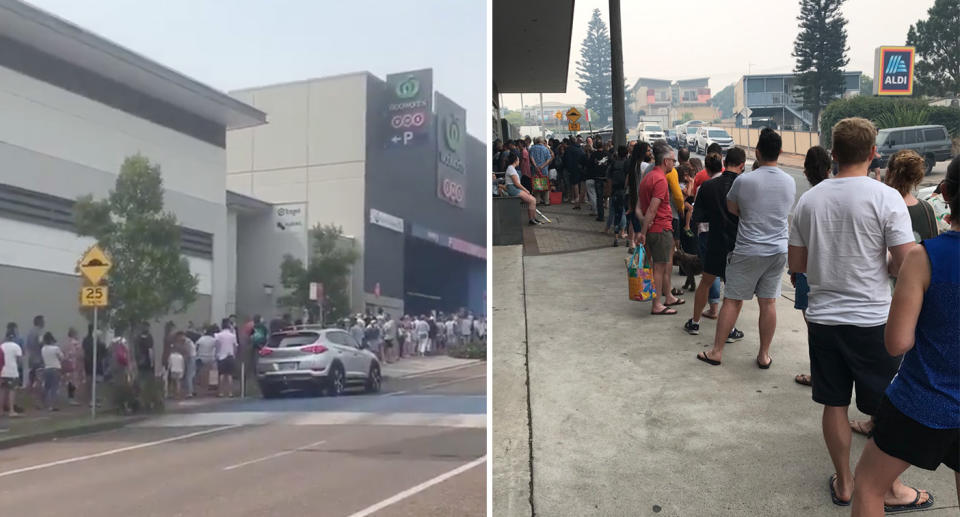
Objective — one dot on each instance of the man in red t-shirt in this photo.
(656, 235)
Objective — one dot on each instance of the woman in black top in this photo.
(904, 172)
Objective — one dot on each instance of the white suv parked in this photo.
(713, 135)
(650, 133)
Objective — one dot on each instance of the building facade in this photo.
(75, 106)
(670, 102)
(373, 157)
(772, 100)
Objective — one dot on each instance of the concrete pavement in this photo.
(625, 421)
(416, 449)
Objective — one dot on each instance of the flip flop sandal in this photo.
(915, 505)
(680, 301)
(858, 428)
(833, 493)
(803, 379)
(703, 357)
(764, 366)
(676, 292)
(666, 311)
(708, 316)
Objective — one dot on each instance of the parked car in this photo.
(685, 135)
(691, 133)
(931, 142)
(649, 132)
(315, 359)
(710, 135)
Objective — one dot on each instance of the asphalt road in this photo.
(417, 449)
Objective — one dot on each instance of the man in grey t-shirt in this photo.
(762, 199)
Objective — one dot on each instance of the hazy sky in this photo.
(724, 39)
(232, 44)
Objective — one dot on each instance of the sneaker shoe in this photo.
(735, 335)
(691, 327)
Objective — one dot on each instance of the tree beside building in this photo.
(821, 53)
(937, 40)
(593, 70)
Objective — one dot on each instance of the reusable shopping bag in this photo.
(640, 277)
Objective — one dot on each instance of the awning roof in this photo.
(55, 36)
(531, 45)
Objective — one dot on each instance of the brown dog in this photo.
(690, 265)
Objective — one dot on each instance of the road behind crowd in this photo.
(416, 449)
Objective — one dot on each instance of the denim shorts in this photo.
(512, 190)
(802, 289)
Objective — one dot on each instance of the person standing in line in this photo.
(904, 172)
(452, 330)
(390, 345)
(72, 366)
(145, 351)
(617, 176)
(656, 234)
(51, 355)
(841, 234)
(525, 166)
(718, 235)
(574, 160)
(762, 200)
(207, 354)
(188, 348)
(541, 158)
(34, 361)
(177, 362)
(466, 328)
(358, 330)
(92, 371)
(10, 373)
(226, 359)
(595, 165)
(918, 420)
(636, 167)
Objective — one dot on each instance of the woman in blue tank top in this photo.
(918, 422)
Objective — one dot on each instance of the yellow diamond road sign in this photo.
(573, 115)
(94, 264)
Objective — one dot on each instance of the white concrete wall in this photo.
(311, 150)
(68, 145)
(31, 246)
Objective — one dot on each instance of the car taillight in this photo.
(314, 349)
(265, 352)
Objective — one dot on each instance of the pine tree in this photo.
(821, 53)
(937, 40)
(593, 70)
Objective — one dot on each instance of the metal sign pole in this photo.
(93, 380)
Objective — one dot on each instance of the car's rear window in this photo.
(719, 133)
(653, 128)
(293, 340)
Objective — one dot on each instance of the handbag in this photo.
(541, 183)
(640, 277)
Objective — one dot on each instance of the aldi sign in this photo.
(893, 71)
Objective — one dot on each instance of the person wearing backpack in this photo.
(617, 178)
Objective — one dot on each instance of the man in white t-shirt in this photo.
(466, 328)
(841, 233)
(10, 373)
(226, 358)
(422, 329)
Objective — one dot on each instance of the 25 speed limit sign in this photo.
(93, 296)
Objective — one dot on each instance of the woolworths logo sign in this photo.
(408, 88)
(453, 133)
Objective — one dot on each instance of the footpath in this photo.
(36, 425)
(600, 408)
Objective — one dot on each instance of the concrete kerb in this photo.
(90, 427)
(436, 370)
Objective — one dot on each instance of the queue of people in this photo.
(415, 336)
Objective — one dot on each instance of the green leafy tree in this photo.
(515, 118)
(866, 85)
(593, 70)
(821, 53)
(149, 277)
(723, 100)
(937, 40)
(330, 263)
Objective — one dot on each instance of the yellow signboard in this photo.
(94, 264)
(573, 115)
(573, 126)
(94, 296)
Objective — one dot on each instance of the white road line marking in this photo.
(275, 455)
(419, 488)
(115, 451)
(435, 385)
(439, 370)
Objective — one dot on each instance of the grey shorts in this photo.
(748, 275)
(659, 246)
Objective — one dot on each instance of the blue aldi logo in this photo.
(894, 71)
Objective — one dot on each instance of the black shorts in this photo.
(904, 438)
(715, 263)
(9, 382)
(844, 356)
(388, 343)
(225, 366)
